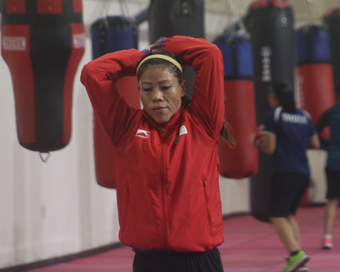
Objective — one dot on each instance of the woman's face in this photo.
(160, 93)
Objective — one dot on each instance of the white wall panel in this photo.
(56, 208)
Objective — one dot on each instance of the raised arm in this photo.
(207, 61)
(99, 77)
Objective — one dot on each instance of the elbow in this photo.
(266, 149)
(317, 145)
(314, 146)
(314, 142)
(84, 74)
(213, 50)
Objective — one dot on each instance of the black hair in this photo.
(158, 61)
(226, 135)
(284, 94)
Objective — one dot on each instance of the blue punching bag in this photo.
(271, 26)
(42, 44)
(111, 34)
(315, 72)
(242, 160)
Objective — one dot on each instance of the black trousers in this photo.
(171, 261)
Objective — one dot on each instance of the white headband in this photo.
(160, 56)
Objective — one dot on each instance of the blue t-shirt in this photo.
(292, 136)
(331, 118)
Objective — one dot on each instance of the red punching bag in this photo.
(315, 72)
(42, 44)
(108, 35)
(242, 160)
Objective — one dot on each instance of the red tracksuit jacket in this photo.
(167, 179)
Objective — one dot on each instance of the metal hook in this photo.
(46, 157)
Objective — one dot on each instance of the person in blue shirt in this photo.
(331, 118)
(286, 135)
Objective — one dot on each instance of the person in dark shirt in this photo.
(287, 134)
(331, 118)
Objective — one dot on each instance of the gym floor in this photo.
(250, 246)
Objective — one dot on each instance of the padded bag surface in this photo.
(42, 44)
(315, 72)
(242, 160)
(270, 24)
(108, 35)
(331, 21)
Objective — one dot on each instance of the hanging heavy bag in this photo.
(315, 72)
(331, 21)
(42, 44)
(240, 161)
(271, 26)
(111, 34)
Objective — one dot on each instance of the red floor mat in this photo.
(250, 246)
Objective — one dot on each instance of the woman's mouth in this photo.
(159, 109)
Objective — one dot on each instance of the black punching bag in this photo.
(177, 17)
(42, 44)
(270, 24)
(331, 21)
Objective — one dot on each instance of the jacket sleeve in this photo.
(99, 77)
(207, 61)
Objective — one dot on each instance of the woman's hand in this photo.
(257, 136)
(152, 47)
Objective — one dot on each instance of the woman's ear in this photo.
(183, 87)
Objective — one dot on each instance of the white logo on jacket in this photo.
(142, 133)
(183, 130)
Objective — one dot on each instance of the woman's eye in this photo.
(147, 89)
(165, 88)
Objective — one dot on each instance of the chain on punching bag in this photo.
(315, 72)
(108, 35)
(331, 20)
(270, 24)
(242, 160)
(177, 17)
(42, 44)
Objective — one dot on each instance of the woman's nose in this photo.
(157, 95)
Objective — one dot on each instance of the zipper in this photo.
(163, 183)
(206, 199)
